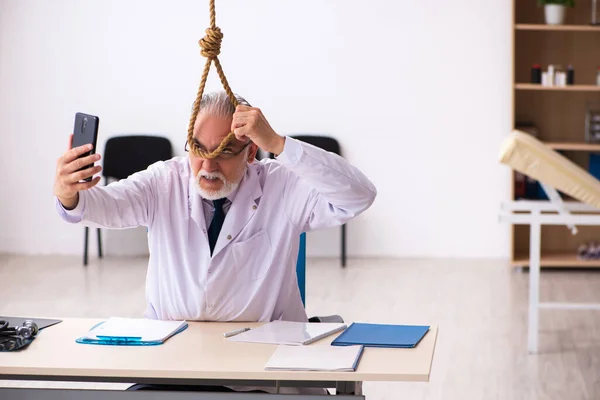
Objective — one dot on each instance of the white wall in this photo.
(417, 92)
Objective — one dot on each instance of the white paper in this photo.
(149, 330)
(289, 333)
(315, 358)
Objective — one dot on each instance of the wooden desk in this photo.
(198, 355)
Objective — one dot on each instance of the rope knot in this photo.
(211, 43)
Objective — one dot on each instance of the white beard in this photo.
(226, 189)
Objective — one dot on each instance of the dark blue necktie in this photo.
(216, 224)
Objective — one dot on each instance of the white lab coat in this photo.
(252, 273)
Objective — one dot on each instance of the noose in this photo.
(211, 47)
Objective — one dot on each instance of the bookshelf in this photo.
(558, 113)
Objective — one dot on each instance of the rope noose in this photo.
(211, 47)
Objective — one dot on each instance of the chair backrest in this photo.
(326, 143)
(301, 267)
(125, 155)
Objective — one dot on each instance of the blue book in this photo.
(380, 335)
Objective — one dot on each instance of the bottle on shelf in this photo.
(536, 73)
(550, 75)
(570, 75)
(553, 76)
(560, 78)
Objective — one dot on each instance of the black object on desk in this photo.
(17, 333)
(40, 322)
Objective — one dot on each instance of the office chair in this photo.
(125, 155)
(301, 268)
(301, 274)
(328, 144)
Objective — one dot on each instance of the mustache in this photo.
(211, 175)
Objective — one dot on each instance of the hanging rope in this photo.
(211, 47)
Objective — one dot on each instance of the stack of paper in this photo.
(289, 333)
(315, 358)
(132, 332)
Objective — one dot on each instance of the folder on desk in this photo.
(315, 358)
(289, 333)
(132, 332)
(381, 335)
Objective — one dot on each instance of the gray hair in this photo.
(218, 104)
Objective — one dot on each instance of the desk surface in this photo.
(199, 352)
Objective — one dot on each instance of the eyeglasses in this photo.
(226, 154)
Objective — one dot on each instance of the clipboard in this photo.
(132, 332)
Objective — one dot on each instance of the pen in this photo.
(119, 338)
(236, 332)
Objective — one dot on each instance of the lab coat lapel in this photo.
(195, 205)
(242, 210)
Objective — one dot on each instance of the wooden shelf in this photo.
(557, 113)
(568, 88)
(557, 28)
(573, 146)
(557, 260)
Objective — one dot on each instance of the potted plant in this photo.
(555, 10)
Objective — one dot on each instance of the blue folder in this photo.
(380, 335)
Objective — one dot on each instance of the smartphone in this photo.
(85, 131)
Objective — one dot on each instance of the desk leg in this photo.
(534, 283)
(349, 388)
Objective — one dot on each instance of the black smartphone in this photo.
(85, 131)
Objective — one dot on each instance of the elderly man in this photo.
(223, 233)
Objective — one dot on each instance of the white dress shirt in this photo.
(251, 275)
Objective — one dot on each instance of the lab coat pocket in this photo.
(253, 256)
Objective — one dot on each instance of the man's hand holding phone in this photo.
(70, 179)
